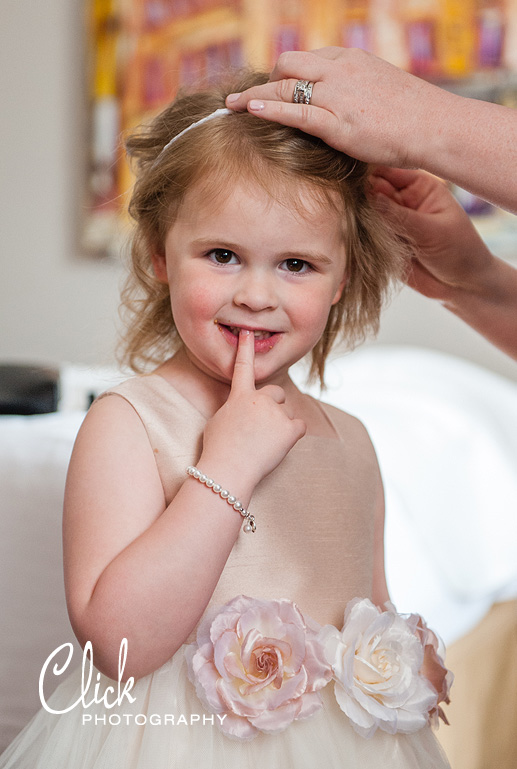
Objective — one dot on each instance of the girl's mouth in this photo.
(258, 333)
(264, 339)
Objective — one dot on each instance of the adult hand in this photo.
(450, 254)
(451, 263)
(360, 104)
(253, 430)
(373, 111)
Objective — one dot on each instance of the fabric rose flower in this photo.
(259, 662)
(433, 667)
(376, 661)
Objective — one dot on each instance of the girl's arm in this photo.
(135, 568)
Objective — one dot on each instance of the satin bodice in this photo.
(315, 512)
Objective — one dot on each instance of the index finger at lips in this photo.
(244, 367)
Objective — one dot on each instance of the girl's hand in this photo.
(360, 104)
(450, 254)
(253, 431)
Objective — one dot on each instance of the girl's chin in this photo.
(222, 371)
(263, 375)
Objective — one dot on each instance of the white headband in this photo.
(217, 113)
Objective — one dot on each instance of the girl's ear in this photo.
(159, 266)
(339, 292)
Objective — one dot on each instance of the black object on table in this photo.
(28, 389)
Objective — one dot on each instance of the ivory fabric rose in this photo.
(376, 661)
(259, 662)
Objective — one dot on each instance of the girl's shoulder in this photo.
(159, 405)
(133, 387)
(344, 424)
(352, 433)
(150, 393)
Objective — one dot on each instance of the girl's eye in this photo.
(296, 265)
(222, 256)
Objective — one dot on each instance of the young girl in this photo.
(223, 531)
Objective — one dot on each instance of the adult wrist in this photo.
(436, 131)
(484, 292)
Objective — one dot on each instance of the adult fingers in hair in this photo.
(291, 67)
(314, 120)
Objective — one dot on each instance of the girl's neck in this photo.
(208, 394)
(205, 392)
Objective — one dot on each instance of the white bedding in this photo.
(34, 453)
(446, 436)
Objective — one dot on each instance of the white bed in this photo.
(446, 436)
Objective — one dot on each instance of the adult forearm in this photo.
(492, 308)
(473, 144)
(376, 112)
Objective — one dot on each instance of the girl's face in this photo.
(245, 260)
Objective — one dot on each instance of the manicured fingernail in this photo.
(256, 106)
(232, 97)
(245, 331)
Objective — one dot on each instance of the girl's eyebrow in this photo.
(306, 256)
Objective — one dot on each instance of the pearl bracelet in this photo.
(233, 501)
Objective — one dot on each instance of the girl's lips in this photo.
(262, 344)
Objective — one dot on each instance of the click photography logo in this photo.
(106, 704)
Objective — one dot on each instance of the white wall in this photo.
(55, 304)
(411, 319)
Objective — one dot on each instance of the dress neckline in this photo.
(320, 405)
(170, 388)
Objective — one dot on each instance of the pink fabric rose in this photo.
(259, 662)
(433, 667)
(376, 661)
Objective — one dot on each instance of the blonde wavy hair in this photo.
(283, 161)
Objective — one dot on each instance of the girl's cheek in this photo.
(191, 291)
(196, 305)
(201, 299)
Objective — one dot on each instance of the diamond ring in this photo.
(303, 92)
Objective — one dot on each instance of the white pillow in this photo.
(34, 455)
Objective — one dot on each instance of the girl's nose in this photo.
(256, 292)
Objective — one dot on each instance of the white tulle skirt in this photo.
(163, 729)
